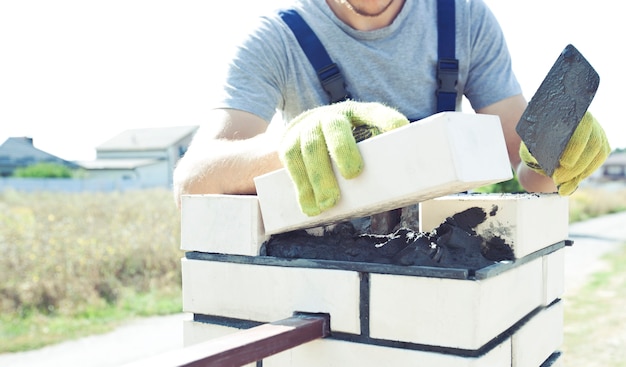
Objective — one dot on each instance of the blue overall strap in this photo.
(327, 71)
(447, 65)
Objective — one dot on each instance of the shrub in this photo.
(590, 202)
(44, 170)
(510, 186)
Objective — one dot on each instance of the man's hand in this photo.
(316, 136)
(587, 149)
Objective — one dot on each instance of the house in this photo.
(614, 168)
(144, 155)
(20, 152)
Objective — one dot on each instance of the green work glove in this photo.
(585, 152)
(318, 135)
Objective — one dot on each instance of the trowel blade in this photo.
(557, 107)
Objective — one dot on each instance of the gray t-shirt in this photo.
(395, 65)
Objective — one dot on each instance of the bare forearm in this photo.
(225, 166)
(226, 154)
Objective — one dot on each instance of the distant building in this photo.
(614, 168)
(19, 152)
(145, 155)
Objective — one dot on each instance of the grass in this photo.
(80, 264)
(595, 321)
(36, 330)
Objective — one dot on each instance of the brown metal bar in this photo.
(247, 346)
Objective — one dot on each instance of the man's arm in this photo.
(510, 110)
(226, 154)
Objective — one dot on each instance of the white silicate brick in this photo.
(554, 276)
(529, 346)
(224, 224)
(444, 154)
(538, 338)
(527, 222)
(269, 293)
(341, 353)
(329, 352)
(454, 313)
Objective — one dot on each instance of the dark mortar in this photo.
(454, 244)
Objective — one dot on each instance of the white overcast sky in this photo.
(74, 73)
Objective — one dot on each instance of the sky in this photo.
(75, 73)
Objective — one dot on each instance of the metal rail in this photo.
(246, 346)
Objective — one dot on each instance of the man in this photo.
(387, 51)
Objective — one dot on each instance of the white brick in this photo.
(529, 346)
(443, 154)
(225, 224)
(269, 293)
(453, 313)
(527, 222)
(328, 352)
(554, 276)
(538, 338)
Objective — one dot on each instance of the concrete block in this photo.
(539, 338)
(269, 293)
(224, 224)
(446, 153)
(453, 313)
(527, 222)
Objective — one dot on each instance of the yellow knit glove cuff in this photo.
(585, 152)
(322, 134)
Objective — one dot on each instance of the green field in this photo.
(77, 264)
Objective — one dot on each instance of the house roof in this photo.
(117, 164)
(616, 159)
(147, 139)
(21, 151)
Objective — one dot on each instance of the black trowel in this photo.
(557, 107)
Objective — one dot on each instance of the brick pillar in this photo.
(508, 314)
